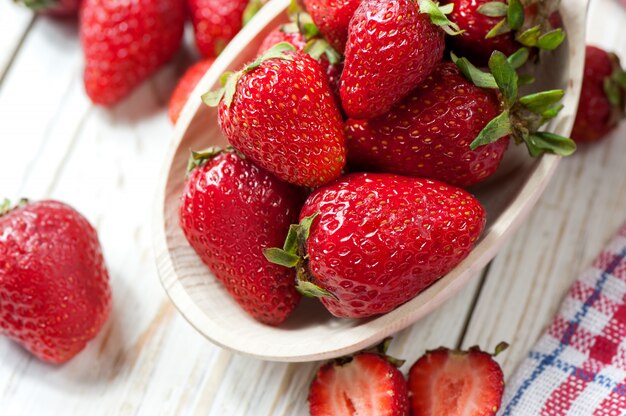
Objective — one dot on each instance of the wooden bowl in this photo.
(311, 333)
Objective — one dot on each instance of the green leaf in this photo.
(539, 102)
(199, 158)
(545, 142)
(500, 28)
(275, 52)
(291, 242)
(515, 14)
(551, 40)
(311, 290)
(529, 37)
(5, 206)
(318, 47)
(518, 58)
(497, 128)
(293, 9)
(493, 9)
(438, 17)
(612, 91)
(478, 77)
(230, 88)
(500, 347)
(213, 98)
(251, 10)
(525, 79)
(447, 8)
(551, 112)
(305, 227)
(281, 257)
(620, 78)
(505, 77)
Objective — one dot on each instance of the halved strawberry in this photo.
(368, 383)
(450, 382)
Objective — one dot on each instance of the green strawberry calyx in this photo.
(615, 90)
(201, 157)
(316, 46)
(438, 16)
(521, 117)
(229, 80)
(380, 349)
(37, 5)
(535, 32)
(293, 254)
(6, 206)
(252, 8)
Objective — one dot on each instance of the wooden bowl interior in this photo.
(311, 333)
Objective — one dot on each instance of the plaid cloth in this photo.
(578, 367)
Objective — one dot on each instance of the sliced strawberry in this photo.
(366, 384)
(449, 382)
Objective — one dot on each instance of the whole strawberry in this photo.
(366, 383)
(216, 22)
(230, 210)
(185, 86)
(428, 134)
(392, 47)
(124, 43)
(332, 17)
(369, 242)
(602, 98)
(503, 26)
(54, 285)
(279, 111)
(57, 8)
(452, 382)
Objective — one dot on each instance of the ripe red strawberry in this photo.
(368, 383)
(125, 43)
(216, 22)
(369, 242)
(449, 382)
(279, 112)
(602, 98)
(428, 134)
(230, 210)
(185, 86)
(58, 8)
(391, 48)
(314, 46)
(332, 18)
(54, 285)
(504, 26)
(472, 41)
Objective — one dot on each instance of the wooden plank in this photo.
(14, 23)
(581, 209)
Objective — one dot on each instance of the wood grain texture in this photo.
(583, 206)
(149, 360)
(14, 24)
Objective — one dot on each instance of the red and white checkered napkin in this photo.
(578, 367)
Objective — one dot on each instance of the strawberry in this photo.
(54, 285)
(332, 17)
(449, 382)
(185, 86)
(367, 383)
(57, 8)
(125, 43)
(304, 36)
(369, 242)
(520, 117)
(392, 47)
(428, 134)
(230, 210)
(503, 26)
(279, 112)
(602, 98)
(216, 22)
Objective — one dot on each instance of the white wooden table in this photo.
(148, 360)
